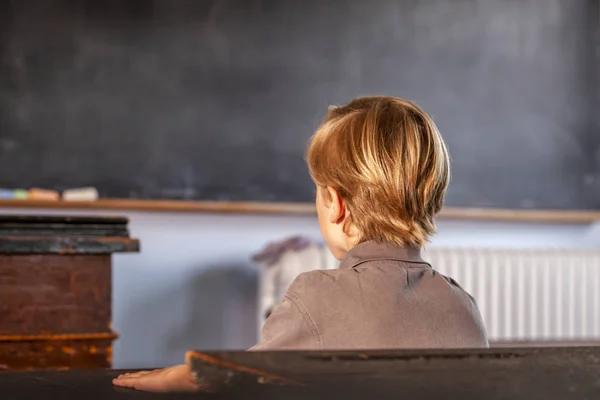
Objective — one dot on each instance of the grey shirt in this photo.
(381, 297)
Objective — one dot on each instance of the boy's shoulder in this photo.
(316, 281)
(314, 286)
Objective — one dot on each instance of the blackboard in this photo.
(216, 100)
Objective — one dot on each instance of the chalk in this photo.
(43, 194)
(10, 194)
(20, 194)
(80, 194)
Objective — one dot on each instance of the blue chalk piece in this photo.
(6, 194)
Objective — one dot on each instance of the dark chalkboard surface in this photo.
(215, 100)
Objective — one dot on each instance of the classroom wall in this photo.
(194, 286)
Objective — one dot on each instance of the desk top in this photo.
(495, 374)
(64, 385)
(52, 234)
(492, 374)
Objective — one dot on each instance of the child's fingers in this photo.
(161, 380)
(135, 374)
(140, 382)
(131, 380)
(123, 382)
(147, 382)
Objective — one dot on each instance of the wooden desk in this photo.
(515, 374)
(523, 373)
(55, 290)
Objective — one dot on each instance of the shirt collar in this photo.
(372, 251)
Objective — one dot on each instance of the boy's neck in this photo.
(371, 250)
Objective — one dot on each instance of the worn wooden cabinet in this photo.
(55, 290)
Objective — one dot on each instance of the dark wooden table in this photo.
(498, 374)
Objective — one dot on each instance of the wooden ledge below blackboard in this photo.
(481, 214)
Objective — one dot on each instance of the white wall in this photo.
(194, 286)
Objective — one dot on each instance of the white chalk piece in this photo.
(80, 194)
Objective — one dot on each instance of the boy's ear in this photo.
(337, 207)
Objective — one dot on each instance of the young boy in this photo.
(381, 170)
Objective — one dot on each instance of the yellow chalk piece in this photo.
(43, 194)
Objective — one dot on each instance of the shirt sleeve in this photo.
(289, 327)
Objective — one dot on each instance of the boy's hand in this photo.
(173, 379)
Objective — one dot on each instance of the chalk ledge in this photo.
(480, 214)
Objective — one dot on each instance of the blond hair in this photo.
(388, 162)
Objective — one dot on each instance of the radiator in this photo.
(530, 295)
(523, 295)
